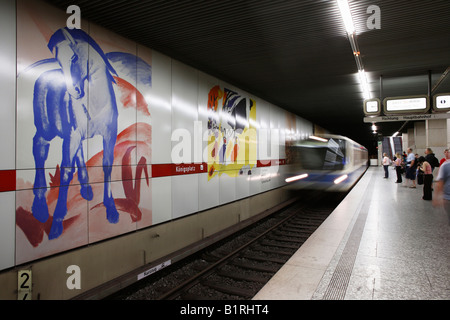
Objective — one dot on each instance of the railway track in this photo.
(239, 266)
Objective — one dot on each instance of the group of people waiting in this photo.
(418, 170)
(421, 169)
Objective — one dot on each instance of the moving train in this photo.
(326, 162)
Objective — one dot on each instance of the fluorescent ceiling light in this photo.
(295, 178)
(364, 84)
(318, 138)
(346, 16)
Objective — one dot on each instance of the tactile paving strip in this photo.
(341, 276)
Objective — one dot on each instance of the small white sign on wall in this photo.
(24, 285)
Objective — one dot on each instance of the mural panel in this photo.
(84, 160)
(78, 97)
(232, 133)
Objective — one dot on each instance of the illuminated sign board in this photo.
(442, 102)
(410, 104)
(372, 107)
(407, 117)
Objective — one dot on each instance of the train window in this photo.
(314, 155)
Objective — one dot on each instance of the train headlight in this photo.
(340, 179)
(295, 178)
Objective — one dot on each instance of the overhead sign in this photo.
(409, 104)
(442, 102)
(372, 107)
(407, 117)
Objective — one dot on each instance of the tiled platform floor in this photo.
(383, 242)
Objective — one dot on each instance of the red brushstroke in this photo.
(33, 229)
(131, 97)
(138, 132)
(53, 193)
(234, 153)
(213, 96)
(130, 204)
(55, 179)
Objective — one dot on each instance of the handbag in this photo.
(420, 177)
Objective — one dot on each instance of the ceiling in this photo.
(295, 54)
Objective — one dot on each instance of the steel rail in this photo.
(194, 280)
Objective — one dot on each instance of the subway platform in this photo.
(383, 242)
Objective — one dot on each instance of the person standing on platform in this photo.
(442, 187)
(431, 159)
(411, 166)
(386, 163)
(427, 170)
(398, 168)
(444, 158)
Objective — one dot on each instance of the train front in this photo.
(328, 162)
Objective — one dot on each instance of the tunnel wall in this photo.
(116, 155)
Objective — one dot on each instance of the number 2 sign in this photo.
(24, 285)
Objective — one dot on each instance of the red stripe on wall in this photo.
(7, 180)
(8, 177)
(269, 163)
(171, 169)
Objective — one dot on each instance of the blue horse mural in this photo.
(63, 109)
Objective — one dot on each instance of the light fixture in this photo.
(346, 16)
(318, 138)
(374, 127)
(364, 84)
(395, 134)
(351, 31)
(295, 178)
(340, 179)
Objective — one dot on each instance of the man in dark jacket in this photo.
(431, 158)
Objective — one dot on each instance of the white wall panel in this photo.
(263, 119)
(184, 118)
(227, 186)
(184, 111)
(255, 181)
(160, 99)
(275, 113)
(208, 192)
(7, 83)
(184, 195)
(242, 185)
(304, 128)
(265, 178)
(7, 229)
(284, 132)
(161, 199)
